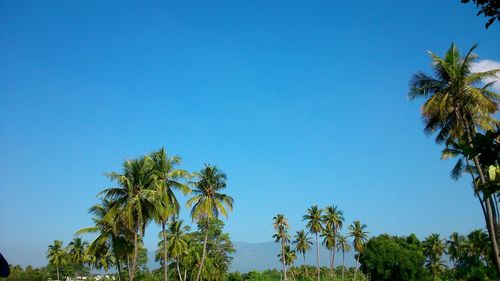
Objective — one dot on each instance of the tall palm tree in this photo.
(77, 253)
(134, 199)
(303, 245)
(313, 217)
(360, 236)
(334, 220)
(456, 107)
(281, 226)
(208, 202)
(344, 247)
(288, 255)
(434, 248)
(112, 237)
(57, 255)
(168, 178)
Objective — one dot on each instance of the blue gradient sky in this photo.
(299, 102)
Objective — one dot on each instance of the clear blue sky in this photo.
(299, 102)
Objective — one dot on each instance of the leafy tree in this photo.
(208, 202)
(177, 243)
(57, 255)
(455, 109)
(489, 8)
(393, 258)
(303, 245)
(455, 247)
(314, 218)
(359, 236)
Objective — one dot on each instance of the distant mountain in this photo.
(261, 256)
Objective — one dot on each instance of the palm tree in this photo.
(359, 235)
(343, 245)
(477, 244)
(302, 245)
(334, 220)
(288, 255)
(112, 237)
(134, 199)
(208, 202)
(456, 108)
(166, 204)
(329, 243)
(281, 226)
(77, 253)
(455, 246)
(313, 217)
(434, 248)
(56, 255)
(177, 242)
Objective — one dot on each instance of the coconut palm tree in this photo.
(57, 255)
(359, 236)
(314, 217)
(456, 107)
(303, 245)
(134, 199)
(344, 247)
(477, 244)
(455, 246)
(334, 220)
(77, 250)
(177, 242)
(112, 237)
(207, 202)
(168, 178)
(288, 255)
(281, 226)
(434, 248)
(329, 241)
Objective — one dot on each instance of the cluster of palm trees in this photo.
(75, 253)
(459, 109)
(460, 249)
(325, 223)
(145, 193)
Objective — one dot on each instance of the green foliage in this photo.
(393, 258)
(489, 8)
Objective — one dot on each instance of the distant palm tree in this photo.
(280, 224)
(434, 248)
(56, 255)
(133, 199)
(303, 245)
(334, 220)
(77, 253)
(478, 245)
(313, 217)
(360, 236)
(343, 245)
(329, 241)
(288, 255)
(208, 202)
(168, 178)
(455, 246)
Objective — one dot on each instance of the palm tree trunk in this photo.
(185, 274)
(203, 254)
(304, 255)
(283, 258)
(343, 265)
(165, 252)
(134, 258)
(57, 269)
(356, 269)
(178, 269)
(317, 256)
(334, 250)
(331, 261)
(119, 268)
